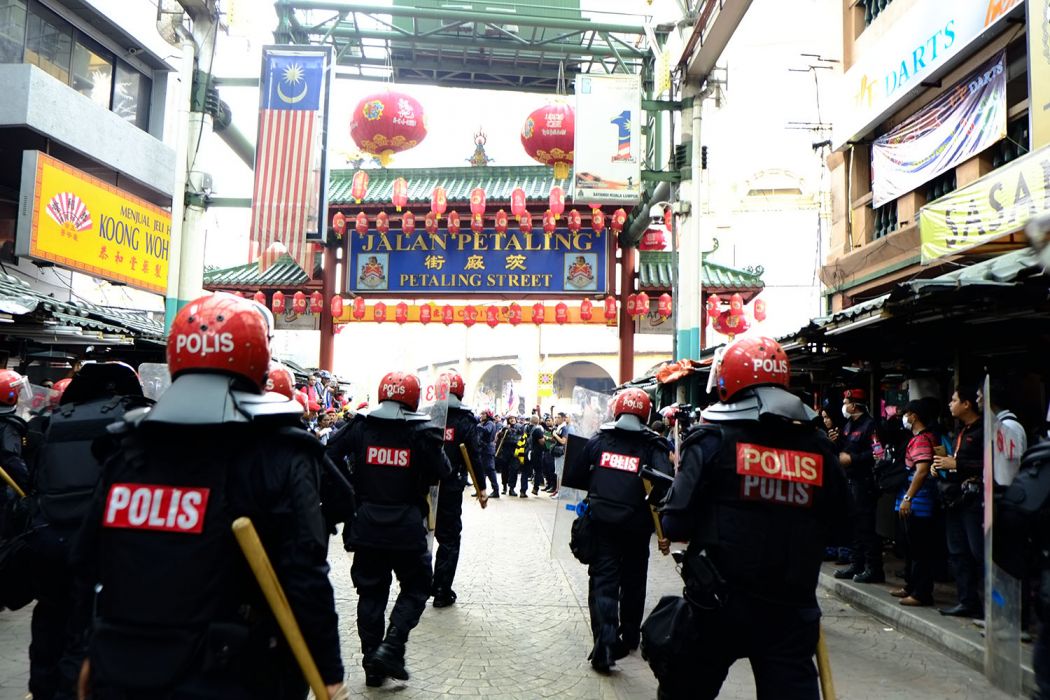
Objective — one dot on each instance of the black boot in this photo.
(372, 680)
(443, 598)
(849, 572)
(389, 658)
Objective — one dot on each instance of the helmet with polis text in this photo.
(633, 401)
(455, 384)
(281, 380)
(224, 334)
(12, 387)
(751, 362)
(401, 387)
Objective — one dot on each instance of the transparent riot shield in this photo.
(435, 404)
(589, 410)
(33, 400)
(155, 379)
(1002, 607)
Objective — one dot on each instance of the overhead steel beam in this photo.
(507, 69)
(712, 35)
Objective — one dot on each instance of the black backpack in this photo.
(1030, 489)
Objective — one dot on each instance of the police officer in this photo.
(758, 489)
(12, 430)
(394, 455)
(15, 588)
(177, 613)
(487, 430)
(623, 525)
(857, 459)
(461, 427)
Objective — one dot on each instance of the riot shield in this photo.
(33, 400)
(589, 410)
(435, 404)
(1002, 609)
(155, 379)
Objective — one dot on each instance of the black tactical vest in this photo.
(616, 495)
(461, 429)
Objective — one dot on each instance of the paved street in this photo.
(520, 630)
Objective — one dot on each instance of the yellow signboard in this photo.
(1039, 72)
(998, 204)
(79, 222)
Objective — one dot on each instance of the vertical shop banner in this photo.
(288, 200)
(998, 204)
(1039, 73)
(968, 118)
(608, 163)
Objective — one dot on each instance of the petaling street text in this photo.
(376, 242)
(476, 281)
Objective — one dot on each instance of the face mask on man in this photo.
(845, 412)
(907, 423)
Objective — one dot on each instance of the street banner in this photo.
(82, 223)
(289, 196)
(1038, 73)
(965, 120)
(996, 205)
(608, 163)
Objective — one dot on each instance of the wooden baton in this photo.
(656, 516)
(12, 483)
(482, 498)
(827, 686)
(253, 551)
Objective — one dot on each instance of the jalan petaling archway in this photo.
(583, 374)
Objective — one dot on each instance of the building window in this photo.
(941, 185)
(12, 30)
(872, 9)
(49, 42)
(131, 96)
(1014, 145)
(885, 220)
(92, 71)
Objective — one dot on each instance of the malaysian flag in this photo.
(623, 135)
(287, 201)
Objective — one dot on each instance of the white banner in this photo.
(608, 152)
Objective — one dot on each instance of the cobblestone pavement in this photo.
(520, 630)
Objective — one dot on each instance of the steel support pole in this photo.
(626, 321)
(178, 199)
(328, 290)
(690, 255)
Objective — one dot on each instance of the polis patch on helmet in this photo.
(624, 463)
(155, 507)
(388, 456)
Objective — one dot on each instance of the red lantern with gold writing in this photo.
(359, 308)
(538, 312)
(277, 303)
(316, 303)
(339, 224)
(382, 222)
(386, 123)
(425, 314)
(619, 218)
(299, 303)
(361, 225)
(470, 316)
(557, 201)
(760, 309)
(548, 134)
(477, 223)
(501, 221)
(492, 316)
(714, 304)
(632, 304)
(518, 203)
(514, 314)
(610, 308)
(549, 223)
(448, 314)
(379, 312)
(561, 313)
(430, 223)
(728, 324)
(525, 223)
(399, 193)
(359, 186)
(453, 224)
(401, 312)
(586, 310)
(477, 201)
(736, 304)
(597, 220)
(259, 297)
(641, 304)
(664, 305)
(337, 306)
(574, 221)
(438, 201)
(408, 223)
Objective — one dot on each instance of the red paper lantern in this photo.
(597, 221)
(477, 223)
(501, 221)
(470, 316)
(316, 303)
(277, 302)
(399, 193)
(382, 222)
(339, 224)
(336, 306)
(728, 324)
(632, 305)
(714, 304)
(586, 310)
(438, 201)
(619, 218)
(491, 316)
(641, 302)
(549, 222)
(425, 314)
(538, 311)
(736, 304)
(408, 223)
(453, 224)
(477, 201)
(654, 239)
(760, 309)
(518, 203)
(359, 308)
(610, 308)
(359, 186)
(259, 297)
(574, 221)
(557, 201)
(379, 312)
(448, 314)
(514, 314)
(430, 223)
(547, 136)
(561, 313)
(387, 123)
(401, 312)
(525, 223)
(299, 303)
(361, 225)
(664, 305)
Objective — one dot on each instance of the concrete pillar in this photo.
(690, 252)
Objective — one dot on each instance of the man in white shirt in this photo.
(1009, 441)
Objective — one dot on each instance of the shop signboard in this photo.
(1039, 72)
(607, 165)
(82, 223)
(994, 206)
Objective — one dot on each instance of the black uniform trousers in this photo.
(867, 546)
(54, 663)
(448, 528)
(616, 589)
(371, 574)
(779, 641)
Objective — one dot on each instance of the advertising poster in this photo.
(1039, 72)
(608, 157)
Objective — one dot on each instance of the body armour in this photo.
(616, 495)
(461, 428)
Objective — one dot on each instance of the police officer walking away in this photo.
(394, 455)
(622, 525)
(171, 604)
(487, 430)
(758, 489)
(858, 459)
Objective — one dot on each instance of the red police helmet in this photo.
(11, 383)
(58, 389)
(401, 387)
(281, 380)
(221, 333)
(855, 395)
(633, 401)
(751, 362)
(455, 384)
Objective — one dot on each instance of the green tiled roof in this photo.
(283, 273)
(655, 270)
(498, 183)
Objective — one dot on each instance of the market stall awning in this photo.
(283, 273)
(498, 183)
(655, 270)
